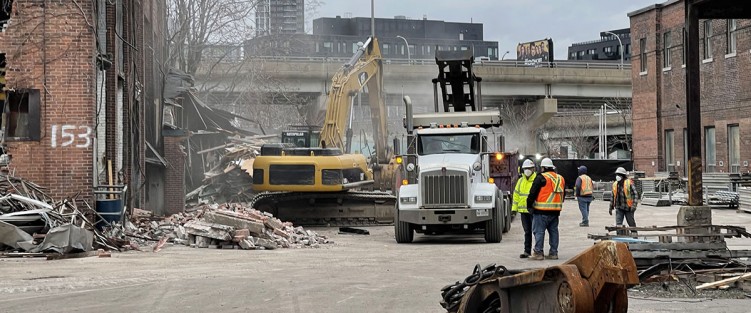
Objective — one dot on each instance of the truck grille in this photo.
(448, 189)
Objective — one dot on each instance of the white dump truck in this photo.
(445, 183)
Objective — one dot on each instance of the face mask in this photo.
(527, 173)
(618, 178)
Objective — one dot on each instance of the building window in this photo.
(666, 49)
(607, 49)
(490, 52)
(580, 54)
(428, 50)
(573, 55)
(710, 149)
(643, 54)
(385, 49)
(327, 47)
(627, 48)
(354, 47)
(732, 36)
(21, 115)
(669, 150)
(591, 51)
(464, 48)
(412, 49)
(734, 148)
(707, 39)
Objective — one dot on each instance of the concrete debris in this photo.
(225, 226)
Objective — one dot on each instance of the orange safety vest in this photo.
(550, 197)
(586, 188)
(626, 191)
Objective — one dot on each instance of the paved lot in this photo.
(357, 274)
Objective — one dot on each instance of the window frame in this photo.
(643, 55)
(732, 36)
(666, 44)
(33, 111)
(669, 148)
(707, 39)
(710, 167)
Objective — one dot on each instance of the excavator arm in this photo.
(365, 69)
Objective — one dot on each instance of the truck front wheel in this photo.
(494, 227)
(402, 230)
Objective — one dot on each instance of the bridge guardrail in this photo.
(500, 63)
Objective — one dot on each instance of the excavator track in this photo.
(349, 208)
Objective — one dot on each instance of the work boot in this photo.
(537, 256)
(552, 257)
(583, 224)
(524, 255)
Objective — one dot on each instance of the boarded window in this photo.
(21, 115)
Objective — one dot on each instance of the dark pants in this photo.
(629, 215)
(541, 223)
(584, 203)
(527, 225)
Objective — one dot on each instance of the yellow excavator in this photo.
(322, 183)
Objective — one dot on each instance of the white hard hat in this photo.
(547, 162)
(621, 171)
(528, 164)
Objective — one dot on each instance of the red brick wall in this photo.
(659, 97)
(68, 98)
(174, 180)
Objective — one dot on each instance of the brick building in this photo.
(83, 90)
(659, 96)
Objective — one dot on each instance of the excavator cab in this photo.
(302, 136)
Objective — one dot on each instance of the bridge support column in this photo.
(544, 109)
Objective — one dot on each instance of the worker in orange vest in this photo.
(583, 192)
(545, 202)
(624, 198)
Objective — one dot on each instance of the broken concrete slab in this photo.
(234, 220)
(210, 230)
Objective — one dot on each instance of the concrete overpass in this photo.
(572, 84)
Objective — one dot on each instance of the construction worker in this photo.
(521, 191)
(624, 198)
(583, 192)
(545, 202)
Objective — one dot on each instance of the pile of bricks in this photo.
(225, 226)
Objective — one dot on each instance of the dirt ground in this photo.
(355, 274)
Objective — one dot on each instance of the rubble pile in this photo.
(225, 226)
(32, 223)
(230, 179)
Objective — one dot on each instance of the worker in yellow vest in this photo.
(624, 198)
(545, 202)
(521, 191)
(583, 192)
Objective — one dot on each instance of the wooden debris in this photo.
(723, 282)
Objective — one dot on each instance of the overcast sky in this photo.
(507, 21)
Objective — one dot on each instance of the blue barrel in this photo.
(111, 210)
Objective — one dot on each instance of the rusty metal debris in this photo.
(593, 281)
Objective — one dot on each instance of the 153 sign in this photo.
(70, 135)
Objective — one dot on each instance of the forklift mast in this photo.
(457, 82)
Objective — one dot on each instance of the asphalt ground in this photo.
(358, 273)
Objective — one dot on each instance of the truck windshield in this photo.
(454, 143)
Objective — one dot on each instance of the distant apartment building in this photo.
(400, 38)
(659, 94)
(280, 17)
(606, 48)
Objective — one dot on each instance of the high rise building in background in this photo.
(280, 17)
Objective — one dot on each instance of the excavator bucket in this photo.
(593, 281)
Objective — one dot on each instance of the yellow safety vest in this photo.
(521, 192)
